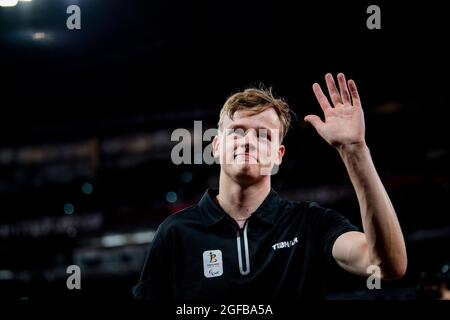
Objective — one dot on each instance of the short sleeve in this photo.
(155, 282)
(333, 224)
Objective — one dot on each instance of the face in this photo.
(249, 145)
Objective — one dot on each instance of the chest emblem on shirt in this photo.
(285, 244)
(212, 263)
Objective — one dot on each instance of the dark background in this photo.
(98, 106)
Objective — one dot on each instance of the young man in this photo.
(244, 242)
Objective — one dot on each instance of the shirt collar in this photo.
(212, 213)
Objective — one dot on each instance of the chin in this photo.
(247, 172)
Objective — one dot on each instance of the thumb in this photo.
(315, 121)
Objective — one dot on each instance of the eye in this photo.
(264, 135)
(238, 132)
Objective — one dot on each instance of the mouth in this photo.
(246, 156)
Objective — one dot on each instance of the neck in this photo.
(241, 201)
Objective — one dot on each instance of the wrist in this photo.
(353, 149)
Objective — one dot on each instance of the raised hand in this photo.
(344, 120)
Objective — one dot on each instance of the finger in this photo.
(343, 88)
(321, 97)
(316, 122)
(354, 92)
(332, 90)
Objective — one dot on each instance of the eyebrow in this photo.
(239, 126)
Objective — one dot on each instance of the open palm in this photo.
(344, 120)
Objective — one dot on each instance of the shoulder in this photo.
(316, 207)
(290, 210)
(310, 211)
(321, 213)
(296, 207)
(189, 215)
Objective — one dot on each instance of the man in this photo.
(244, 242)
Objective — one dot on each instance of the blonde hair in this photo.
(257, 101)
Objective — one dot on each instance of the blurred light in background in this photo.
(11, 3)
(69, 208)
(87, 188)
(8, 3)
(143, 237)
(114, 240)
(39, 36)
(171, 197)
(42, 36)
(6, 275)
(117, 240)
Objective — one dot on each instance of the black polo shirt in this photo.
(281, 253)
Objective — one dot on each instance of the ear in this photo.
(215, 146)
(280, 154)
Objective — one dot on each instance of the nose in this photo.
(249, 147)
(248, 141)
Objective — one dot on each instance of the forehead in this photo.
(244, 118)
